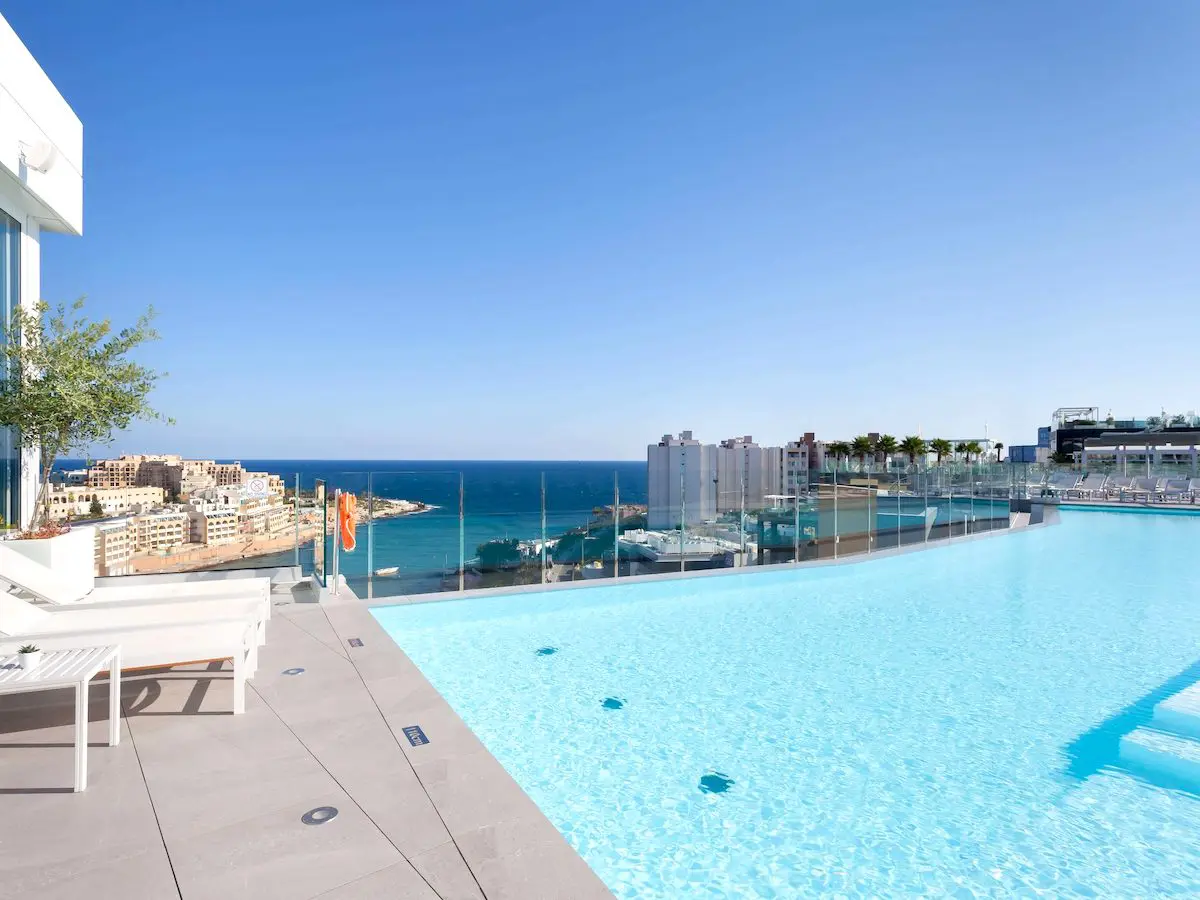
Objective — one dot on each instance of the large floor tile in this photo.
(276, 857)
(527, 859)
(105, 873)
(446, 871)
(472, 791)
(370, 767)
(398, 882)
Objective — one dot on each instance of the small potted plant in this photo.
(29, 656)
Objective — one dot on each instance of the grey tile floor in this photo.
(198, 803)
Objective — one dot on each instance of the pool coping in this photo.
(1047, 513)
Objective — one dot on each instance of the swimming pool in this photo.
(942, 723)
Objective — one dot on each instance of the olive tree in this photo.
(68, 383)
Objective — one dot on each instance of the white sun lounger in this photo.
(149, 635)
(1176, 489)
(1061, 482)
(160, 645)
(1118, 485)
(226, 597)
(1089, 487)
(1149, 488)
(22, 619)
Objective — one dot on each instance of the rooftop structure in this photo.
(41, 190)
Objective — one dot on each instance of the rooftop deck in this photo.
(198, 803)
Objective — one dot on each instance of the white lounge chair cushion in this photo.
(21, 617)
(153, 645)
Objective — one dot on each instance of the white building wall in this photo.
(32, 113)
(681, 482)
(743, 465)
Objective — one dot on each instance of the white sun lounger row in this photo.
(156, 625)
(1098, 486)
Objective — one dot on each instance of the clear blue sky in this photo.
(559, 230)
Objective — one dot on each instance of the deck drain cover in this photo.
(319, 816)
(355, 642)
(296, 671)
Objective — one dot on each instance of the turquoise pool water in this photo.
(943, 723)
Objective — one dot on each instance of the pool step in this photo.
(1179, 713)
(1157, 752)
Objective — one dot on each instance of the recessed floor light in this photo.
(319, 816)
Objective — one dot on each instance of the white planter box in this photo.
(71, 556)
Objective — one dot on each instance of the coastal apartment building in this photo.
(697, 482)
(160, 530)
(174, 474)
(41, 192)
(70, 501)
(681, 482)
(114, 547)
(264, 518)
(178, 477)
(213, 526)
(745, 470)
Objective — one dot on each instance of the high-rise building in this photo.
(697, 482)
(41, 190)
(681, 481)
(747, 474)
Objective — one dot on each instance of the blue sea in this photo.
(500, 500)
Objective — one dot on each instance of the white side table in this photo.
(64, 668)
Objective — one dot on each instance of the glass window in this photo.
(10, 283)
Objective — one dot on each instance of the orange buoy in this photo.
(346, 521)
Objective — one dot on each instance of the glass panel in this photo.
(412, 533)
(317, 517)
(10, 456)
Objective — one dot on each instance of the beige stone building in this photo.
(71, 501)
(159, 530)
(213, 526)
(262, 517)
(114, 546)
(174, 474)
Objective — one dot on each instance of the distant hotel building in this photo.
(175, 475)
(67, 501)
(680, 480)
(114, 546)
(1079, 434)
(161, 530)
(697, 482)
(178, 477)
(213, 527)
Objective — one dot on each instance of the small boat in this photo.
(387, 570)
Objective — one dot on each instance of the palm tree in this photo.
(999, 445)
(840, 450)
(961, 448)
(913, 446)
(973, 449)
(941, 447)
(862, 447)
(886, 446)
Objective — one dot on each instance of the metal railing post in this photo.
(296, 542)
(462, 537)
(544, 573)
(370, 538)
(616, 525)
